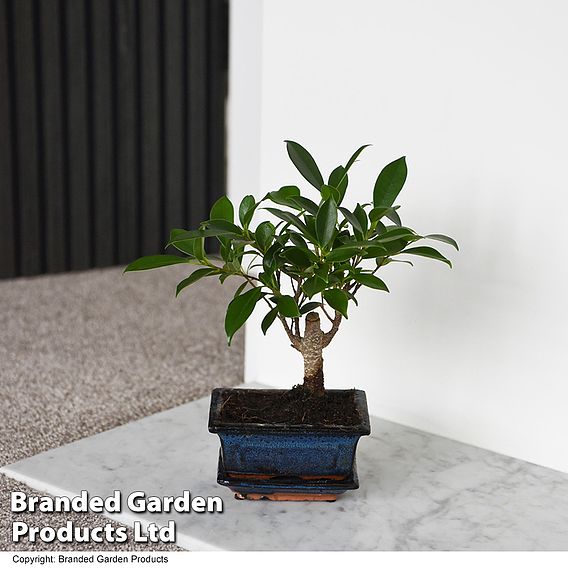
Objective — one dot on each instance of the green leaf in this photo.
(239, 310)
(335, 277)
(292, 219)
(352, 218)
(326, 220)
(199, 248)
(322, 271)
(443, 239)
(155, 261)
(310, 221)
(313, 286)
(397, 233)
(370, 281)
(288, 307)
(298, 240)
(268, 280)
(183, 246)
(194, 277)
(339, 179)
(389, 183)
(389, 260)
(339, 271)
(336, 177)
(190, 235)
(378, 213)
(225, 249)
(240, 288)
(361, 217)
(304, 203)
(391, 247)
(329, 192)
(264, 235)
(374, 252)
(393, 216)
(284, 195)
(299, 256)
(308, 307)
(268, 319)
(246, 210)
(223, 209)
(269, 260)
(304, 163)
(342, 253)
(222, 225)
(337, 299)
(428, 252)
(288, 217)
(355, 156)
(352, 297)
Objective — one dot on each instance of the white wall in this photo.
(474, 94)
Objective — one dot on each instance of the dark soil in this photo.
(296, 406)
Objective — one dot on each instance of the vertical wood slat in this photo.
(126, 129)
(8, 265)
(53, 136)
(77, 135)
(102, 135)
(111, 127)
(26, 144)
(152, 237)
(196, 127)
(216, 94)
(173, 114)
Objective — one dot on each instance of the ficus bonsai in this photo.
(309, 261)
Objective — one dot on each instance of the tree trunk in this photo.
(312, 346)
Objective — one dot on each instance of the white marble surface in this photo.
(418, 491)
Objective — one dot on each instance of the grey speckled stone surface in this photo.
(418, 491)
(87, 351)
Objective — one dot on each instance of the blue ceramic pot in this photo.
(268, 458)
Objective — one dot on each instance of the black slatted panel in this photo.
(26, 140)
(196, 150)
(78, 153)
(126, 121)
(217, 52)
(112, 127)
(8, 212)
(102, 132)
(173, 101)
(151, 213)
(53, 136)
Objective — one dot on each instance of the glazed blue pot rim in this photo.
(216, 426)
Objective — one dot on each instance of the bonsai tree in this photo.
(309, 261)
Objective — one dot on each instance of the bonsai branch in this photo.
(325, 312)
(296, 324)
(295, 340)
(250, 279)
(327, 337)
